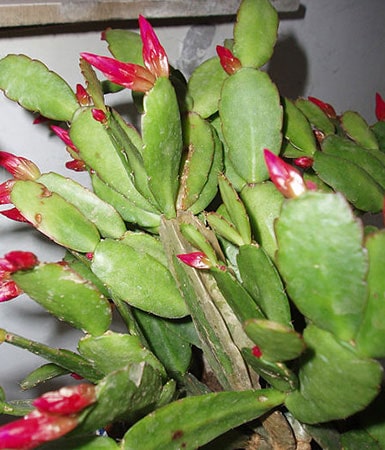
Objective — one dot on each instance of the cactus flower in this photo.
(67, 400)
(327, 108)
(10, 263)
(20, 168)
(154, 55)
(198, 260)
(380, 108)
(229, 62)
(286, 178)
(34, 429)
(131, 76)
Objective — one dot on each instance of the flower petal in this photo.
(20, 168)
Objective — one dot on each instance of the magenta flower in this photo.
(131, 76)
(198, 260)
(380, 108)
(229, 62)
(286, 178)
(67, 400)
(20, 168)
(154, 55)
(327, 108)
(34, 429)
(10, 263)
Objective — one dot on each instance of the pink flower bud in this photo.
(154, 55)
(229, 62)
(131, 76)
(40, 119)
(198, 260)
(380, 108)
(35, 429)
(327, 108)
(286, 178)
(67, 400)
(20, 168)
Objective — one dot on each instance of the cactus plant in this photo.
(228, 236)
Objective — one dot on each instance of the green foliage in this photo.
(273, 324)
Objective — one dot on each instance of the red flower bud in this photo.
(77, 165)
(327, 108)
(228, 61)
(256, 351)
(82, 96)
(99, 115)
(380, 108)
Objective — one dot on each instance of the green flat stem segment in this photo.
(193, 421)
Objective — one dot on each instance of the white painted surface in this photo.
(335, 52)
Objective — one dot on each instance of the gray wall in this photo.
(331, 49)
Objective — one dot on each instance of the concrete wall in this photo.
(332, 49)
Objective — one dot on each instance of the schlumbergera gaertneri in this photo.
(227, 234)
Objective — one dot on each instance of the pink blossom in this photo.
(64, 136)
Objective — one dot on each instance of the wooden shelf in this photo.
(27, 13)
